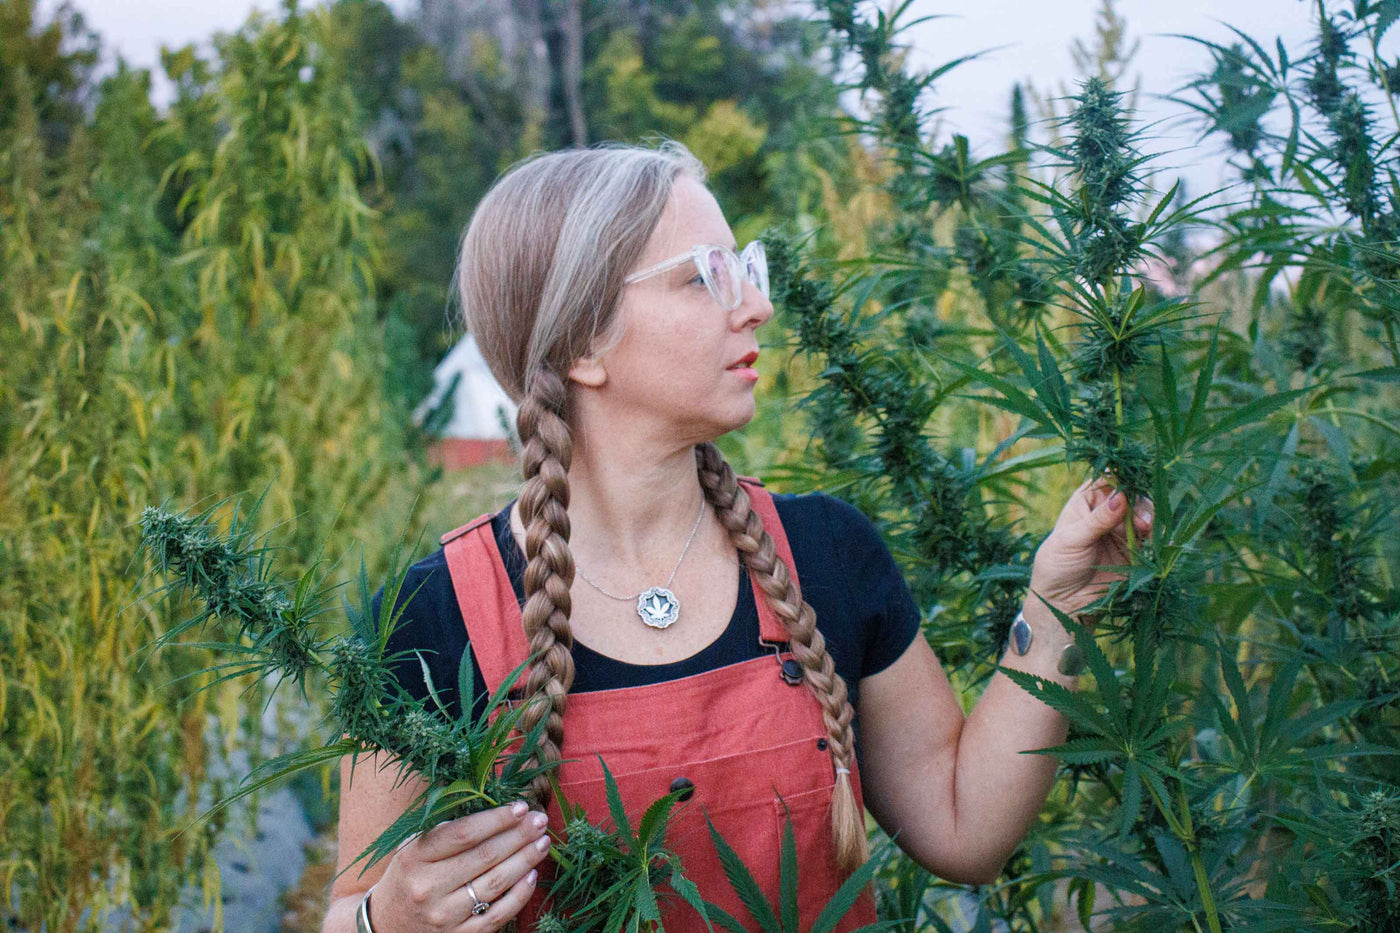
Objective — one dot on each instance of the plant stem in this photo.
(1203, 884)
(1187, 834)
(1118, 415)
(1391, 342)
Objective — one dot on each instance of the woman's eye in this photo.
(696, 280)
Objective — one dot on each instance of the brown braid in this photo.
(547, 448)
(760, 554)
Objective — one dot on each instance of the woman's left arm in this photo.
(956, 789)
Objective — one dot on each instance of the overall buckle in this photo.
(788, 668)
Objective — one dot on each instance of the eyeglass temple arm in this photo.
(660, 267)
(677, 260)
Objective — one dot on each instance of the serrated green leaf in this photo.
(654, 820)
(743, 883)
(689, 893)
(723, 918)
(1071, 703)
(277, 769)
(1234, 682)
(1051, 383)
(787, 872)
(465, 682)
(644, 899)
(846, 896)
(615, 807)
(1082, 751)
(1132, 800)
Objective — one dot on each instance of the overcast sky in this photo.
(1036, 35)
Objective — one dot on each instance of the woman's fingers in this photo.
(467, 832)
(492, 885)
(503, 909)
(1142, 515)
(1098, 490)
(498, 849)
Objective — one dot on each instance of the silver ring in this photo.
(479, 907)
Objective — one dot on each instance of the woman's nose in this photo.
(754, 307)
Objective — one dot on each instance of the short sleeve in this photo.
(886, 616)
(421, 628)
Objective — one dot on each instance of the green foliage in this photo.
(185, 303)
(783, 916)
(606, 878)
(1332, 161)
(1243, 671)
(611, 879)
(1364, 850)
(56, 60)
(245, 291)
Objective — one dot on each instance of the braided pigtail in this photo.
(546, 449)
(759, 553)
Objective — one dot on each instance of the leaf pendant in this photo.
(658, 607)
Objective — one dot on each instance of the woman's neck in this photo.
(630, 515)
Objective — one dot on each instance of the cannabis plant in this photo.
(273, 630)
(184, 310)
(1243, 672)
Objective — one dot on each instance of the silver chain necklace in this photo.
(657, 605)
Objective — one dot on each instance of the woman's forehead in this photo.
(692, 215)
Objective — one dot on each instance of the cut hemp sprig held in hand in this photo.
(468, 766)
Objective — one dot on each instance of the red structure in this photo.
(480, 426)
(456, 453)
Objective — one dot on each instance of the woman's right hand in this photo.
(425, 886)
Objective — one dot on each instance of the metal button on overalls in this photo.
(682, 783)
(741, 732)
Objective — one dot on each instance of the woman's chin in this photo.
(741, 420)
(719, 427)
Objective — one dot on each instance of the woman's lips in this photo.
(746, 372)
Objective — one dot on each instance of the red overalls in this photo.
(740, 733)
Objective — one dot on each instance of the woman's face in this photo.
(671, 368)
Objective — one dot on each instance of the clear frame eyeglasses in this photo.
(720, 269)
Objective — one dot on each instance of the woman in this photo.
(604, 291)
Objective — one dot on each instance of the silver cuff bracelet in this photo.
(1071, 661)
(362, 915)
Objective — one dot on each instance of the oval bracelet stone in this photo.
(1071, 660)
(1021, 634)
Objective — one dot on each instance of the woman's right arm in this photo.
(422, 887)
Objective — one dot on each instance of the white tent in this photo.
(482, 426)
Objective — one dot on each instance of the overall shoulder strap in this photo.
(770, 627)
(495, 628)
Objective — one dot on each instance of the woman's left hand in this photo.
(1089, 533)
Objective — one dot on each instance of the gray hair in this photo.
(542, 261)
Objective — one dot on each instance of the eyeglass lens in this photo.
(757, 266)
(727, 272)
(723, 277)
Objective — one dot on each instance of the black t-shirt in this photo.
(864, 609)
